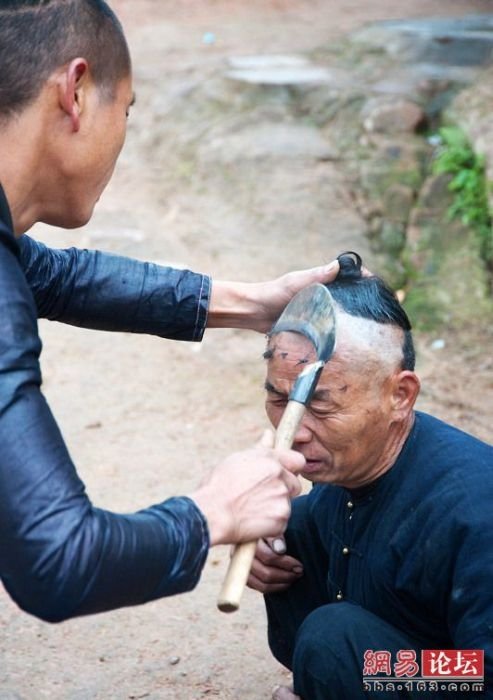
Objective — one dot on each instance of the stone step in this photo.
(465, 41)
(284, 70)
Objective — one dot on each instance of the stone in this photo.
(285, 70)
(432, 61)
(460, 41)
(397, 202)
(267, 61)
(276, 70)
(321, 106)
(392, 238)
(267, 140)
(422, 82)
(393, 117)
(450, 283)
(435, 195)
(392, 163)
(374, 227)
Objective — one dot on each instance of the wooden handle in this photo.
(241, 561)
(288, 425)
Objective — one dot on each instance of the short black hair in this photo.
(370, 297)
(38, 36)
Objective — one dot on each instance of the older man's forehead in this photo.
(287, 353)
(289, 342)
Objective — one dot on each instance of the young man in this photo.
(65, 94)
(391, 553)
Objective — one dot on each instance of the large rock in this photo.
(393, 162)
(450, 280)
(392, 116)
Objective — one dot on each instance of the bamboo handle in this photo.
(241, 561)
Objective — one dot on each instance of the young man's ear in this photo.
(71, 90)
(406, 386)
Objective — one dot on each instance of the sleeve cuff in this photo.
(202, 308)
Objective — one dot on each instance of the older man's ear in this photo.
(405, 390)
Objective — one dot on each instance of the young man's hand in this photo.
(248, 496)
(258, 305)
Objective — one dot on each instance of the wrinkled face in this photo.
(344, 435)
(94, 152)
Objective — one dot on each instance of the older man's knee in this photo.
(330, 626)
(323, 661)
(329, 650)
(325, 640)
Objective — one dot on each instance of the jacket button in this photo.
(350, 504)
(339, 596)
(345, 550)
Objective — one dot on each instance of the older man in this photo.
(391, 553)
(65, 94)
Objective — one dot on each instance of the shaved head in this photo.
(368, 297)
(369, 345)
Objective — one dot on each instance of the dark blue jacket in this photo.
(416, 547)
(59, 555)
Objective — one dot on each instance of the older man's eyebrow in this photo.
(319, 395)
(322, 395)
(134, 100)
(273, 390)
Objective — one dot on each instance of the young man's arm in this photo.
(59, 555)
(102, 291)
(109, 292)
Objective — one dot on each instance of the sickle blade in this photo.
(311, 313)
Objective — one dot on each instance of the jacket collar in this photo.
(6, 225)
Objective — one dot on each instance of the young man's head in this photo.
(39, 36)
(362, 409)
(65, 91)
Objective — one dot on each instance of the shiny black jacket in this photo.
(59, 555)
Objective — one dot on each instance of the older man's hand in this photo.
(258, 305)
(272, 570)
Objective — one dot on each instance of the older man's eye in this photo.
(322, 411)
(278, 403)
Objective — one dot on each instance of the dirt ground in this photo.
(145, 418)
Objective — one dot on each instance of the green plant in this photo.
(469, 185)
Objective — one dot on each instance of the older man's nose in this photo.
(303, 434)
